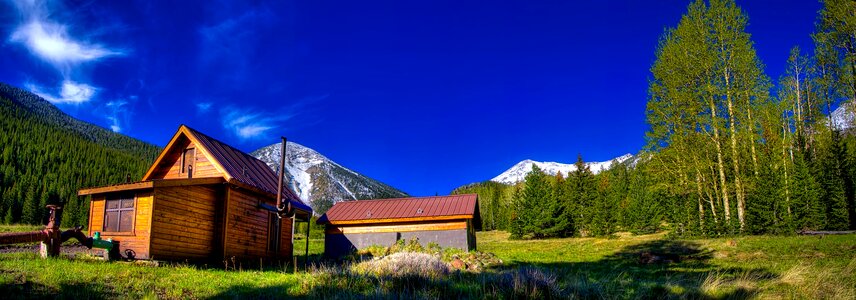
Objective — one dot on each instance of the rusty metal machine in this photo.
(51, 238)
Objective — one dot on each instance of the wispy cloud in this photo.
(203, 107)
(51, 41)
(117, 114)
(70, 92)
(249, 123)
(231, 43)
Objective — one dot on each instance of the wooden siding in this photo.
(402, 227)
(286, 249)
(170, 166)
(187, 222)
(247, 225)
(138, 239)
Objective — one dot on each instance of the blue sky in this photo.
(423, 95)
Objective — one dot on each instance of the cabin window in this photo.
(119, 213)
(188, 160)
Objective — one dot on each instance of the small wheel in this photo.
(130, 254)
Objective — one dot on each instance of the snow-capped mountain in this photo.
(518, 172)
(843, 116)
(321, 181)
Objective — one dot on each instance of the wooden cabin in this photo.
(449, 221)
(201, 200)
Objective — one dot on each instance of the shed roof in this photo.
(402, 210)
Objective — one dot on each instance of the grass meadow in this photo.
(622, 267)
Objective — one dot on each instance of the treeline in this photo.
(727, 151)
(580, 203)
(45, 158)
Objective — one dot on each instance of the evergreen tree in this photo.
(808, 211)
(519, 215)
(582, 193)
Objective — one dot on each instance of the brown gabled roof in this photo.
(402, 210)
(238, 167)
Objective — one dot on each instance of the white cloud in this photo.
(203, 107)
(51, 43)
(249, 124)
(118, 113)
(70, 93)
(43, 29)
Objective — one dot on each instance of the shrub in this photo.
(404, 264)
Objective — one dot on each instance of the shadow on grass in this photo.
(24, 289)
(661, 269)
(654, 270)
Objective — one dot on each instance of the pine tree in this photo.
(832, 184)
(519, 216)
(808, 211)
(583, 193)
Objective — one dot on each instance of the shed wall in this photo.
(342, 240)
(187, 222)
(138, 239)
(247, 227)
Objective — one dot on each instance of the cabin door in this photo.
(274, 233)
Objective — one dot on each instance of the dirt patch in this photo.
(71, 250)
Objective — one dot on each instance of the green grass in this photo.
(19, 228)
(793, 267)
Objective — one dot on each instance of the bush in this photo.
(404, 264)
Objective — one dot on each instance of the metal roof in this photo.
(245, 168)
(393, 210)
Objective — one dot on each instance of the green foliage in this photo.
(724, 156)
(47, 152)
(494, 203)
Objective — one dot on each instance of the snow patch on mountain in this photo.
(320, 181)
(518, 172)
(843, 116)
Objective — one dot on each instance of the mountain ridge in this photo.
(321, 181)
(518, 172)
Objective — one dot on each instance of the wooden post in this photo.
(306, 255)
(49, 247)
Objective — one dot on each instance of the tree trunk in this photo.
(738, 188)
(751, 135)
(719, 163)
(785, 168)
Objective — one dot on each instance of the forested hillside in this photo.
(727, 151)
(48, 153)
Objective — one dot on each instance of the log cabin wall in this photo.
(343, 239)
(170, 166)
(247, 225)
(286, 249)
(136, 240)
(187, 222)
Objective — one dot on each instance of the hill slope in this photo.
(322, 181)
(47, 152)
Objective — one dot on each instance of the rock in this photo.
(475, 267)
(458, 264)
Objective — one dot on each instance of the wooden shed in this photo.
(201, 200)
(449, 221)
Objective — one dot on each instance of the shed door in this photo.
(274, 232)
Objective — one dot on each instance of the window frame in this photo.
(121, 211)
(183, 167)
